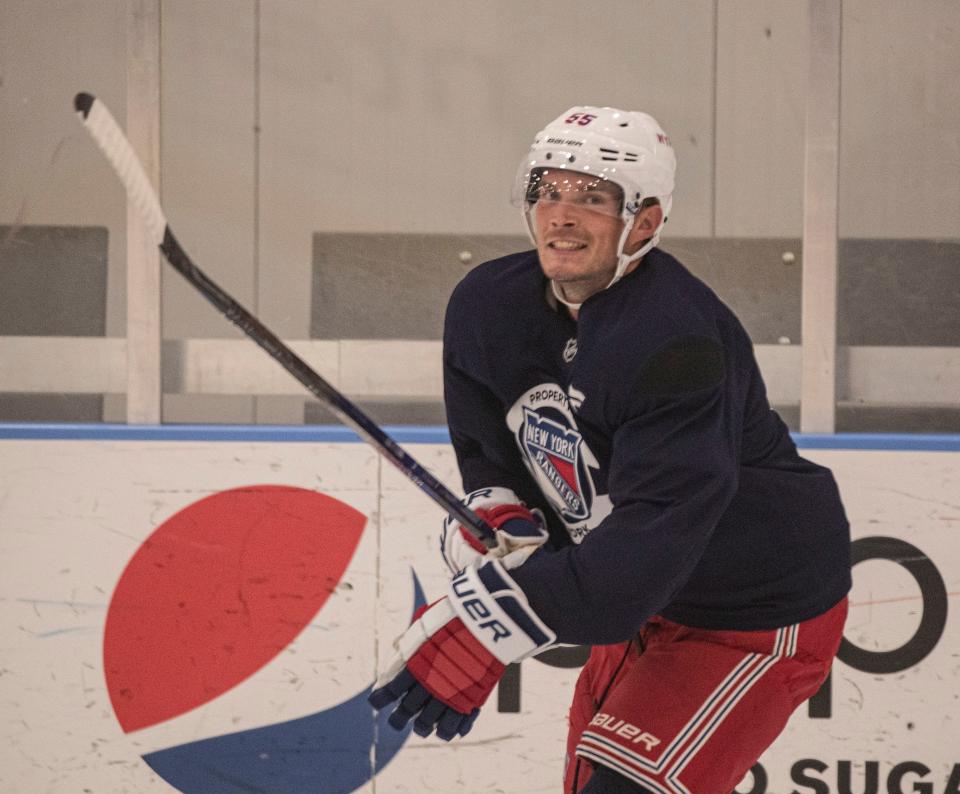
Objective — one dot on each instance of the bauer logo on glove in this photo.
(520, 531)
(457, 649)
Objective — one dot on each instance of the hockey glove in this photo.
(520, 531)
(456, 651)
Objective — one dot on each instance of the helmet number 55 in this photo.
(583, 119)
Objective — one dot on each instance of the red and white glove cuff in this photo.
(495, 610)
(517, 528)
(430, 621)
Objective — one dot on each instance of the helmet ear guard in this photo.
(625, 148)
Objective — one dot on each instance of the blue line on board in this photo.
(405, 434)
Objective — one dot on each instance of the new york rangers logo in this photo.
(555, 451)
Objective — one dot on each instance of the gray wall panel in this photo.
(53, 281)
(50, 173)
(899, 292)
(900, 119)
(891, 292)
(51, 407)
(408, 118)
(396, 286)
(374, 286)
(760, 83)
(412, 117)
(383, 413)
(751, 277)
(207, 155)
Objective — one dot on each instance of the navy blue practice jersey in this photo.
(644, 432)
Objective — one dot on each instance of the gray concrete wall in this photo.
(286, 120)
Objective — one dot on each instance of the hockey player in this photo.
(609, 418)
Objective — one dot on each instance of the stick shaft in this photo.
(110, 138)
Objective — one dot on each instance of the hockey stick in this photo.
(110, 138)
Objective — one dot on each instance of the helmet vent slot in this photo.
(616, 154)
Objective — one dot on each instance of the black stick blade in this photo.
(83, 102)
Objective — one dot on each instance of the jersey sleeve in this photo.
(486, 453)
(673, 472)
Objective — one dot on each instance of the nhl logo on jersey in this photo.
(570, 349)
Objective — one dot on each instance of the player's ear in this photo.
(647, 222)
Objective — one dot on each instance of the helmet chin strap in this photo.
(623, 260)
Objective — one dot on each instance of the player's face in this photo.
(577, 224)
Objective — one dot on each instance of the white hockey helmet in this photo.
(622, 147)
